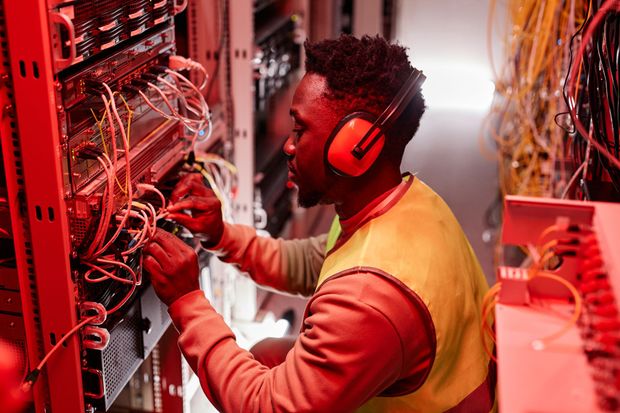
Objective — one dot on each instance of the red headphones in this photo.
(357, 140)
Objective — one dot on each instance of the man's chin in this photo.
(309, 200)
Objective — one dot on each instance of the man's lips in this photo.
(292, 178)
(291, 172)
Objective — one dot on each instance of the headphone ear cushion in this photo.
(344, 138)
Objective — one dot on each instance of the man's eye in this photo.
(298, 132)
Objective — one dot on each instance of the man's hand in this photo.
(206, 210)
(173, 266)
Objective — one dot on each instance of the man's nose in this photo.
(289, 147)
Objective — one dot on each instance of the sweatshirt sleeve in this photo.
(291, 266)
(349, 351)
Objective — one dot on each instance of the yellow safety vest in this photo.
(419, 242)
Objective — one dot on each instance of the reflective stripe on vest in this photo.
(419, 242)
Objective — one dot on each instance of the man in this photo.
(393, 321)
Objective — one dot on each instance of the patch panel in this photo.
(164, 144)
(559, 313)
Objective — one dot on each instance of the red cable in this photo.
(594, 23)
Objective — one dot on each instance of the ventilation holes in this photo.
(35, 70)
(52, 339)
(123, 353)
(38, 213)
(22, 68)
(50, 213)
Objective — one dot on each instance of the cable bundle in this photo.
(529, 94)
(116, 257)
(557, 109)
(113, 258)
(197, 118)
(221, 177)
(593, 98)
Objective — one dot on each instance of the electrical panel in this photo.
(98, 119)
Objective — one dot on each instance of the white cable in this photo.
(191, 98)
(152, 188)
(106, 205)
(183, 79)
(142, 233)
(572, 180)
(184, 63)
(127, 172)
(196, 111)
(187, 122)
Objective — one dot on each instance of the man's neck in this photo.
(364, 193)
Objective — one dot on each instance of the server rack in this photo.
(56, 56)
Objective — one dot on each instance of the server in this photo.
(100, 114)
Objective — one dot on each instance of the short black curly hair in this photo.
(364, 75)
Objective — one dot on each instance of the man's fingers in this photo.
(195, 203)
(179, 191)
(176, 249)
(185, 220)
(155, 250)
(189, 184)
(169, 243)
(151, 265)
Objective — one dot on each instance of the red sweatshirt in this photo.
(362, 335)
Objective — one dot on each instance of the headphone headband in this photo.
(410, 88)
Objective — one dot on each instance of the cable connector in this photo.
(158, 69)
(191, 158)
(88, 151)
(177, 63)
(139, 82)
(30, 379)
(150, 77)
(130, 89)
(94, 87)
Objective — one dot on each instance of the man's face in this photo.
(313, 122)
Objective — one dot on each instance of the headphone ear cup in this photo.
(344, 138)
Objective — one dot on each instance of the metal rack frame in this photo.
(36, 200)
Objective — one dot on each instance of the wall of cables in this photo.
(555, 115)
